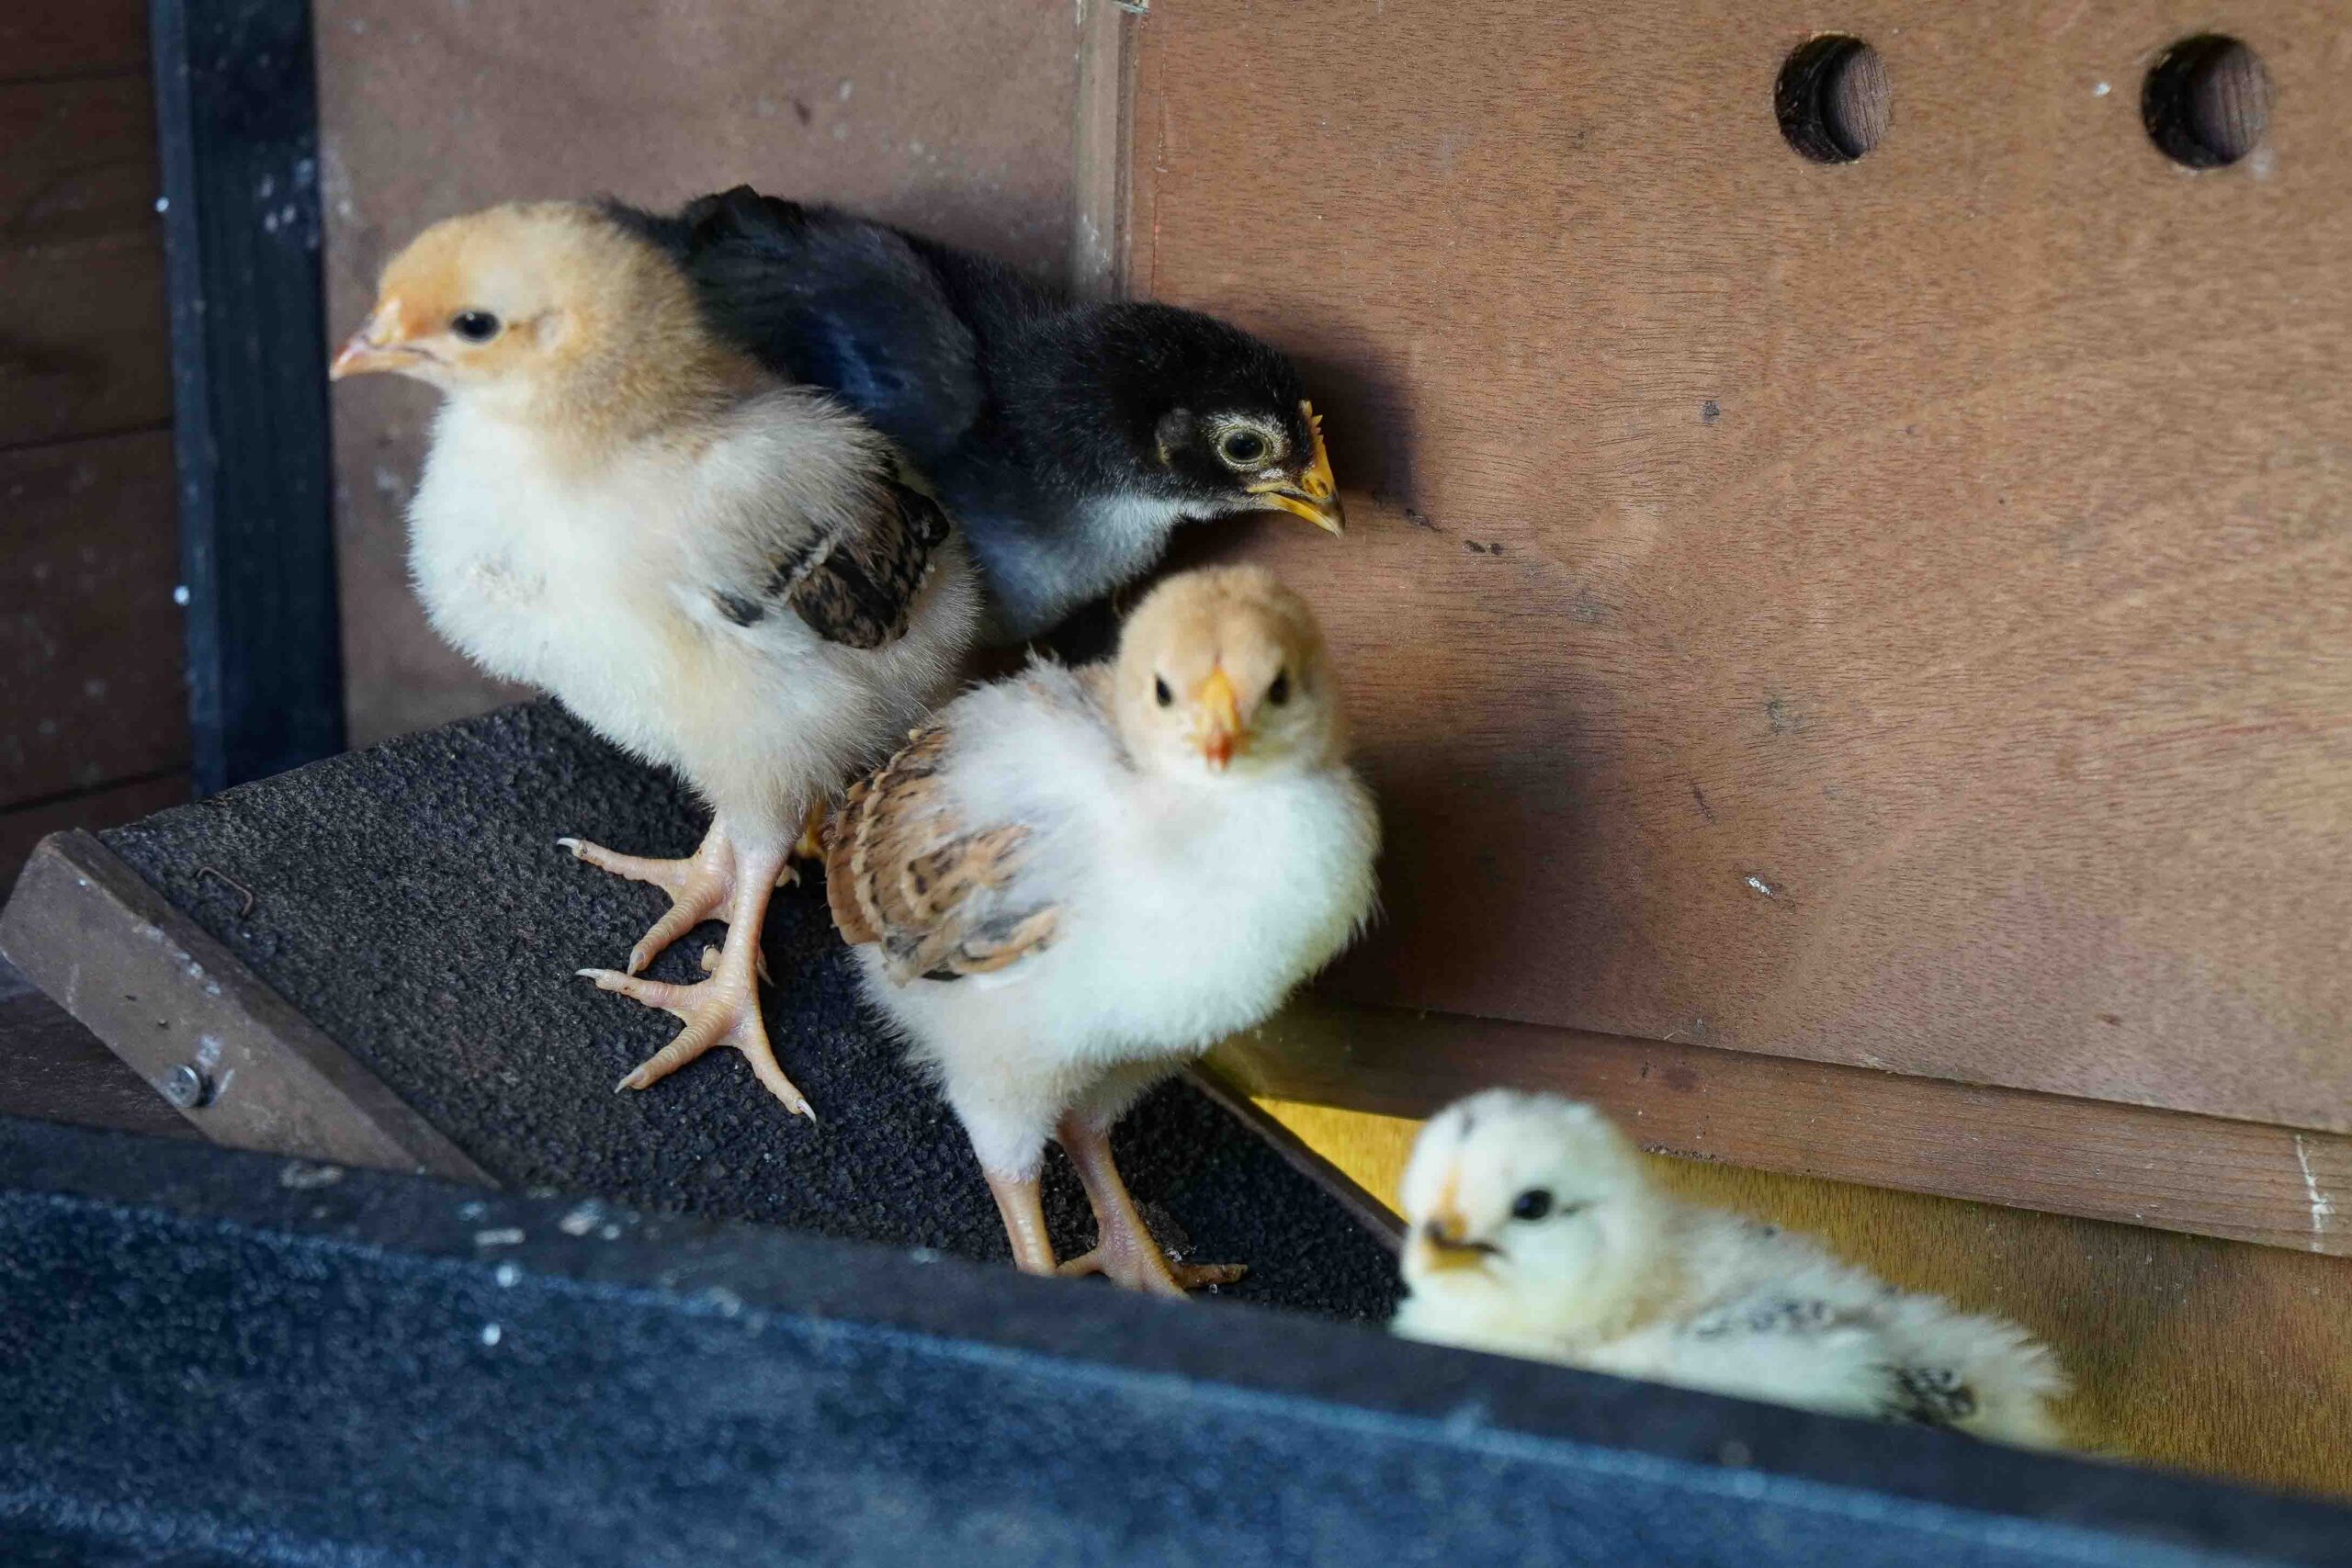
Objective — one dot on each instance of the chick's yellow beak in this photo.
(1220, 705)
(378, 346)
(1445, 1244)
(1314, 494)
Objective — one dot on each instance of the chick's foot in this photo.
(725, 1008)
(811, 846)
(1125, 1249)
(700, 886)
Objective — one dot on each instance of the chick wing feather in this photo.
(904, 871)
(851, 575)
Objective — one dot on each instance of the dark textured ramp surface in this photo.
(412, 902)
(209, 1358)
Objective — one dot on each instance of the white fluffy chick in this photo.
(719, 571)
(1537, 1231)
(1074, 882)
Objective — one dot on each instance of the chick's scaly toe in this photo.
(699, 888)
(722, 1010)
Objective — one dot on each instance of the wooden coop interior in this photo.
(1847, 598)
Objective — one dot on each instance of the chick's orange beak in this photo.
(1445, 1244)
(1315, 494)
(376, 345)
(1218, 700)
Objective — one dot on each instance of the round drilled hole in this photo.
(1832, 99)
(2207, 101)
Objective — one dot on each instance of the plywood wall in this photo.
(1894, 614)
(92, 703)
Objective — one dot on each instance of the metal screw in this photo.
(187, 1087)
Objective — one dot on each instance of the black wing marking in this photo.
(1928, 1397)
(833, 302)
(856, 584)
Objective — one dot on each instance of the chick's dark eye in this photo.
(1279, 693)
(1159, 691)
(1242, 448)
(474, 326)
(1532, 1204)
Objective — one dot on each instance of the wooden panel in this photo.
(2202, 1174)
(82, 315)
(111, 806)
(90, 651)
(71, 38)
(2179, 1345)
(52, 1068)
(1892, 614)
(955, 118)
(170, 1001)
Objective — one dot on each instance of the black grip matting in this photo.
(412, 902)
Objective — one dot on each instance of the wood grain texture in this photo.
(953, 118)
(49, 38)
(82, 312)
(1895, 614)
(91, 656)
(23, 826)
(54, 1068)
(2279, 1186)
(2185, 1350)
(1101, 149)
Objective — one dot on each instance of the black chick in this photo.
(1068, 438)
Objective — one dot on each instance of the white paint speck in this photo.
(580, 1220)
(1761, 885)
(163, 204)
(2323, 1206)
(846, 89)
(508, 1236)
(179, 595)
(507, 1275)
(2101, 90)
(491, 1333)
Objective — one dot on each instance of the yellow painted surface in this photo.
(2210, 1355)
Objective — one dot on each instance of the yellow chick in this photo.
(1071, 883)
(719, 571)
(1536, 1231)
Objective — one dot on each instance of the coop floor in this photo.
(2212, 1356)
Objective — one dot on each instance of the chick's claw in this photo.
(699, 888)
(1146, 1270)
(722, 1011)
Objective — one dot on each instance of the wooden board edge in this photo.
(233, 1057)
(2096, 1159)
(1362, 1206)
(1098, 149)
